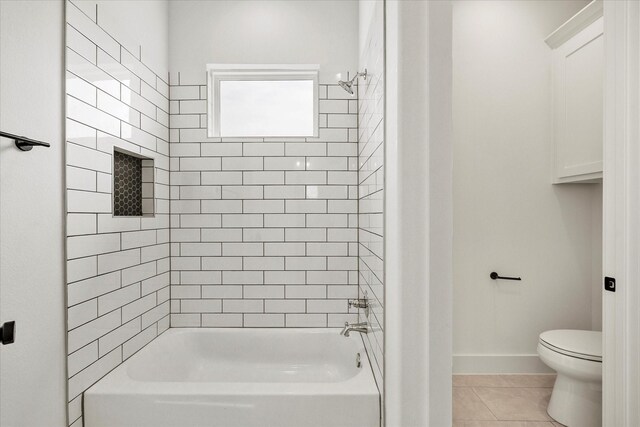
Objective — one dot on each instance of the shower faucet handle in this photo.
(359, 303)
(362, 303)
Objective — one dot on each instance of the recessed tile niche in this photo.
(132, 185)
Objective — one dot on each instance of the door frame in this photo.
(405, 400)
(418, 213)
(621, 214)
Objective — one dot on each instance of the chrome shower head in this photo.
(348, 85)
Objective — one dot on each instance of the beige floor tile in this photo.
(557, 424)
(517, 404)
(546, 380)
(468, 406)
(480, 381)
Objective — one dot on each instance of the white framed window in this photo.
(262, 100)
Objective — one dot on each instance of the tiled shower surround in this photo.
(263, 231)
(117, 267)
(371, 189)
(250, 232)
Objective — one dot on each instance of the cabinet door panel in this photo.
(579, 65)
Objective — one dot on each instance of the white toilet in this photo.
(576, 356)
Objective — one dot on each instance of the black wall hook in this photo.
(496, 276)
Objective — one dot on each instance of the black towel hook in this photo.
(24, 143)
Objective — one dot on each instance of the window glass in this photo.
(262, 101)
(266, 108)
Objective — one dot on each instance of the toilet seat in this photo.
(586, 345)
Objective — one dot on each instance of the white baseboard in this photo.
(499, 364)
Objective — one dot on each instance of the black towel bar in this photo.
(24, 143)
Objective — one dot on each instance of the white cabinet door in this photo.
(578, 105)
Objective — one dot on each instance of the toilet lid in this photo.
(581, 344)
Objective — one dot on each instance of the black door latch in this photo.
(610, 284)
(8, 332)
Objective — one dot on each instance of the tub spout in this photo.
(357, 327)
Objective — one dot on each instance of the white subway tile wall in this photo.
(371, 190)
(263, 230)
(118, 268)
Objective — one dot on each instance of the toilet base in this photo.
(576, 403)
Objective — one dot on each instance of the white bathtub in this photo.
(239, 378)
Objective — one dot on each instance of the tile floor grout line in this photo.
(485, 404)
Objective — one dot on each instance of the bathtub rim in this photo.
(119, 382)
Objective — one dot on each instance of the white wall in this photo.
(366, 11)
(263, 32)
(596, 256)
(32, 385)
(507, 216)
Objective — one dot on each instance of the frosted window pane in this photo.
(266, 108)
